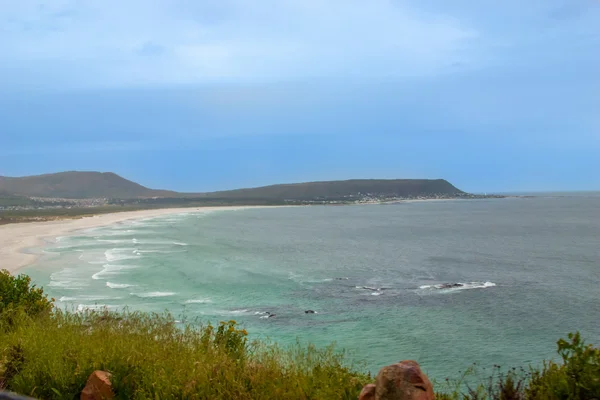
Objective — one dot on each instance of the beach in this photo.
(16, 238)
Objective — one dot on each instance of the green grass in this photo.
(48, 354)
(51, 357)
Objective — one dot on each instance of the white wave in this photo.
(116, 241)
(110, 269)
(460, 286)
(180, 244)
(140, 252)
(376, 294)
(235, 312)
(118, 285)
(87, 298)
(154, 294)
(198, 301)
(68, 284)
(226, 312)
(118, 254)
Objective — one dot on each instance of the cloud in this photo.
(109, 42)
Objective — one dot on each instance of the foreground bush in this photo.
(150, 357)
(576, 378)
(17, 294)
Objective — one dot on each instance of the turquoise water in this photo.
(530, 269)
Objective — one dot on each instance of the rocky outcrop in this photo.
(98, 387)
(368, 392)
(401, 381)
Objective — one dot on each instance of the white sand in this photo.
(16, 237)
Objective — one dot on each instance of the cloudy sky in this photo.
(498, 95)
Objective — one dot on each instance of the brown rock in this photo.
(403, 381)
(368, 392)
(98, 387)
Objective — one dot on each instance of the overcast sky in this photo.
(202, 95)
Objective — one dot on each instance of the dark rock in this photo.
(310, 312)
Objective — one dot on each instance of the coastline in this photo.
(16, 238)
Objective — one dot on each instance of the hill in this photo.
(78, 185)
(98, 185)
(343, 190)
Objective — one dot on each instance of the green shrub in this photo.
(149, 356)
(17, 292)
(578, 377)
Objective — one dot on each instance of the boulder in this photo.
(98, 387)
(403, 381)
(368, 392)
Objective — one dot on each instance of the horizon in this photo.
(199, 97)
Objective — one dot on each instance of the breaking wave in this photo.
(118, 285)
(198, 301)
(153, 294)
(459, 286)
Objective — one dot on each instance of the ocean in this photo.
(375, 275)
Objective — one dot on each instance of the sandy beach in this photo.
(16, 238)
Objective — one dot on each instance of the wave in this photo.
(198, 301)
(64, 299)
(116, 254)
(140, 252)
(153, 294)
(118, 285)
(300, 279)
(110, 269)
(69, 284)
(377, 289)
(180, 244)
(117, 241)
(68, 278)
(459, 286)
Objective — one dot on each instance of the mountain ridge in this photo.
(78, 185)
(93, 184)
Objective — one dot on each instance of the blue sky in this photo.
(206, 95)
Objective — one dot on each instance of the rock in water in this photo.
(309, 312)
(403, 381)
(98, 387)
(368, 392)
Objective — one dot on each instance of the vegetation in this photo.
(576, 378)
(48, 354)
(77, 185)
(342, 190)
(18, 293)
(88, 185)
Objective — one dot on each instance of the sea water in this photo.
(528, 269)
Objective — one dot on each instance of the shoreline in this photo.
(16, 238)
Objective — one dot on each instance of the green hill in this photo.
(342, 190)
(78, 185)
(89, 185)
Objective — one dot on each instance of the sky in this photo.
(192, 95)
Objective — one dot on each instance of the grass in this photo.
(51, 357)
(48, 354)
